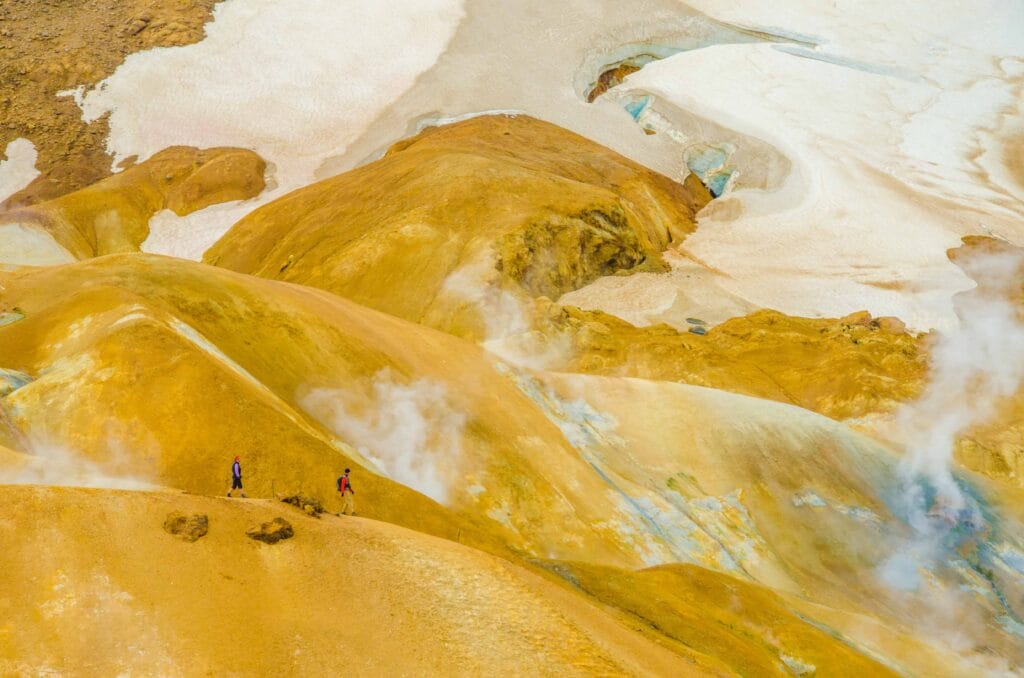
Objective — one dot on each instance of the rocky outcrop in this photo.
(271, 531)
(311, 506)
(185, 527)
(842, 368)
(611, 77)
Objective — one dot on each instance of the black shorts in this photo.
(236, 483)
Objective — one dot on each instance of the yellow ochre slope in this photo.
(642, 501)
(113, 215)
(609, 471)
(510, 200)
(102, 589)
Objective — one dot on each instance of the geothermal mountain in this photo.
(660, 338)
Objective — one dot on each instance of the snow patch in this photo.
(883, 123)
(19, 169)
(26, 245)
(294, 80)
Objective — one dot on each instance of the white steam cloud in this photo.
(410, 431)
(973, 368)
(938, 571)
(507, 323)
(51, 464)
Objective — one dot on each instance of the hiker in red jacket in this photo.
(345, 487)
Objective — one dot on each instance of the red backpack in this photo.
(342, 484)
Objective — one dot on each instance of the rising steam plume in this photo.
(411, 431)
(973, 368)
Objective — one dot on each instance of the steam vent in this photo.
(479, 338)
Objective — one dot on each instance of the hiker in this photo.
(347, 500)
(236, 476)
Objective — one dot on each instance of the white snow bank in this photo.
(190, 236)
(19, 169)
(318, 87)
(884, 123)
(294, 80)
(858, 140)
(25, 245)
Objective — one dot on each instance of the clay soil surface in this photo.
(50, 46)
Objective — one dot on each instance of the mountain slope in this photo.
(509, 201)
(353, 593)
(113, 215)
